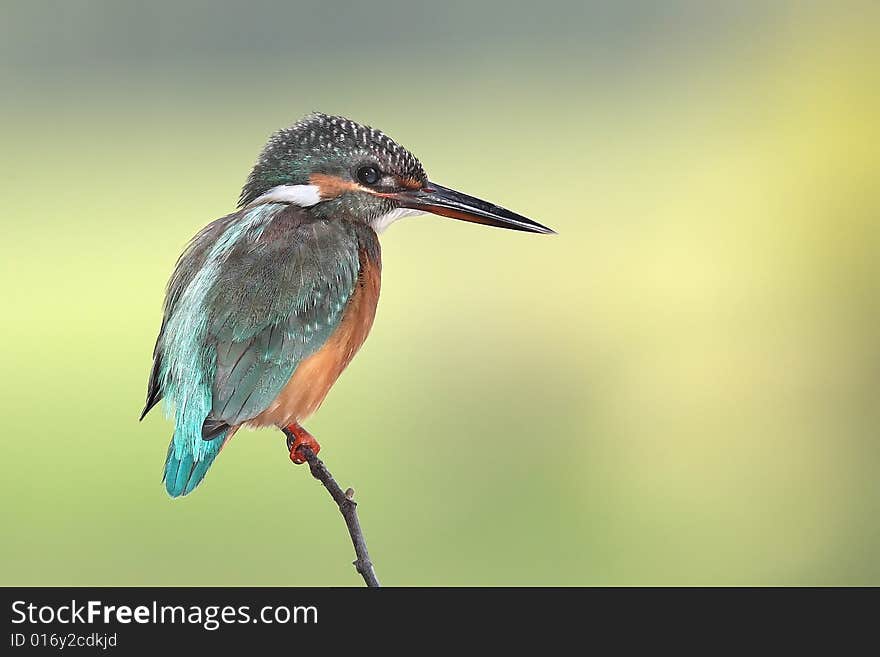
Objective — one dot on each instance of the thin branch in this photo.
(348, 509)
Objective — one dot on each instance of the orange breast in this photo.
(313, 378)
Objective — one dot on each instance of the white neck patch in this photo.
(303, 196)
(382, 222)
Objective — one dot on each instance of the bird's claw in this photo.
(297, 438)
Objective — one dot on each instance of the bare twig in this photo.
(348, 509)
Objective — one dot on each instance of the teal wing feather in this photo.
(253, 295)
(274, 306)
(188, 265)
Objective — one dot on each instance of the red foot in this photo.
(298, 437)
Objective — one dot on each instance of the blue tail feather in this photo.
(185, 471)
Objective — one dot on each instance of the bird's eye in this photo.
(368, 175)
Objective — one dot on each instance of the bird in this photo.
(268, 305)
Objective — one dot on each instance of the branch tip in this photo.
(348, 509)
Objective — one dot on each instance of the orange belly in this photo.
(315, 375)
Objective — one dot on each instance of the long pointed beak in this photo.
(446, 202)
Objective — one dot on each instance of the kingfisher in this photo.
(268, 305)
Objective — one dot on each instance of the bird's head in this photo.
(341, 169)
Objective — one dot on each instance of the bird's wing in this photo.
(275, 301)
(191, 261)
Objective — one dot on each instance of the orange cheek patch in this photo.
(332, 186)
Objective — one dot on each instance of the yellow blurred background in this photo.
(679, 388)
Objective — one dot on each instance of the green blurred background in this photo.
(679, 388)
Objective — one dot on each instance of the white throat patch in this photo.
(382, 222)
